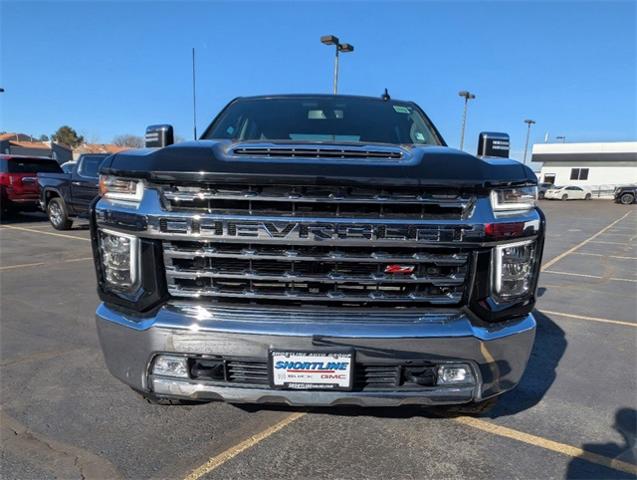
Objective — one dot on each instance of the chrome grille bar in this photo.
(296, 254)
(332, 277)
(194, 193)
(333, 296)
(314, 273)
(319, 201)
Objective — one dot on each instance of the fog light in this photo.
(171, 366)
(449, 374)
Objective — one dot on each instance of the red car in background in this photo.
(19, 189)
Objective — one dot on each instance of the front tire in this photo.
(58, 216)
(565, 197)
(587, 197)
(627, 199)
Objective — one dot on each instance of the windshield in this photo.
(90, 165)
(323, 119)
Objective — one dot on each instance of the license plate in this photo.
(311, 370)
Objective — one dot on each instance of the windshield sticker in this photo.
(420, 136)
(401, 109)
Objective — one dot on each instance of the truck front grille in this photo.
(365, 376)
(317, 201)
(299, 273)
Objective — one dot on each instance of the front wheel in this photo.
(58, 216)
(587, 197)
(565, 197)
(627, 198)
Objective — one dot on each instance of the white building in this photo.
(600, 166)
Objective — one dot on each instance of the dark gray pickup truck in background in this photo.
(67, 195)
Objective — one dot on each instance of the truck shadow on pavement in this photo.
(626, 425)
(18, 218)
(549, 347)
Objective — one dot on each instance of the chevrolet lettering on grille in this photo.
(315, 232)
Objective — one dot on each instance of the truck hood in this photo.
(245, 162)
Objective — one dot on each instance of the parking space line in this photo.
(223, 457)
(614, 279)
(591, 319)
(26, 265)
(581, 244)
(489, 427)
(620, 257)
(545, 443)
(44, 233)
(10, 267)
(610, 243)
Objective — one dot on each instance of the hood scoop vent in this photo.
(284, 151)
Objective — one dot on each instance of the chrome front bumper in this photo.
(498, 353)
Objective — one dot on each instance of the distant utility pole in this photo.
(528, 133)
(194, 97)
(467, 96)
(340, 47)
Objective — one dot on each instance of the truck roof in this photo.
(321, 95)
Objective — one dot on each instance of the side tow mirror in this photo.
(159, 136)
(493, 144)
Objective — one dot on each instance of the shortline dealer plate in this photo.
(312, 370)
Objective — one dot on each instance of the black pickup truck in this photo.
(67, 195)
(625, 194)
(317, 250)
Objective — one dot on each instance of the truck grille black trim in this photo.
(347, 275)
(365, 376)
(320, 152)
(317, 201)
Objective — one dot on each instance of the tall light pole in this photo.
(529, 122)
(340, 47)
(194, 98)
(467, 96)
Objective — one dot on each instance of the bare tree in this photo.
(127, 140)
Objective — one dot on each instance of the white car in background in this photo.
(569, 192)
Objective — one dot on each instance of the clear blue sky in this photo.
(111, 68)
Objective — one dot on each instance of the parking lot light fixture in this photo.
(529, 122)
(467, 96)
(339, 47)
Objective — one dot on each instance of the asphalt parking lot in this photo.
(573, 416)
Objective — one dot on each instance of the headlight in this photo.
(514, 198)
(119, 254)
(118, 188)
(513, 270)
